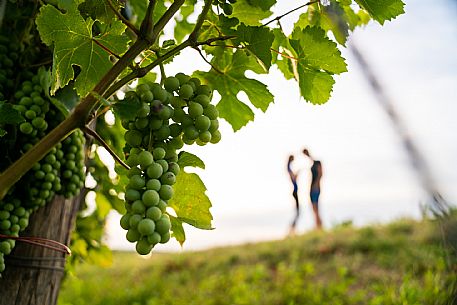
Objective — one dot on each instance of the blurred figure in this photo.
(315, 188)
(293, 177)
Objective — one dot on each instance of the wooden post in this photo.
(33, 274)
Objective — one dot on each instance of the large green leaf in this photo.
(190, 201)
(382, 10)
(258, 40)
(317, 59)
(75, 44)
(233, 81)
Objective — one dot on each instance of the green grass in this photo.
(401, 263)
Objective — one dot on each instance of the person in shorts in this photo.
(315, 188)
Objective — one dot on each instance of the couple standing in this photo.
(314, 192)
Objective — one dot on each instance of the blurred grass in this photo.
(405, 262)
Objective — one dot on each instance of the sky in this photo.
(367, 176)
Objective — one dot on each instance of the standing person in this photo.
(315, 188)
(293, 177)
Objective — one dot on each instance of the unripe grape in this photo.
(155, 123)
(153, 213)
(153, 184)
(168, 178)
(162, 133)
(166, 192)
(216, 137)
(195, 81)
(158, 153)
(154, 238)
(162, 206)
(183, 78)
(174, 168)
(164, 165)
(133, 235)
(143, 247)
(125, 221)
(171, 84)
(154, 171)
(26, 128)
(138, 207)
(132, 194)
(211, 112)
(144, 110)
(202, 100)
(147, 96)
(145, 159)
(142, 88)
(204, 90)
(151, 197)
(164, 238)
(205, 136)
(135, 220)
(186, 91)
(133, 171)
(133, 138)
(213, 126)
(195, 109)
(202, 123)
(146, 226)
(163, 225)
(191, 132)
(132, 160)
(141, 123)
(137, 182)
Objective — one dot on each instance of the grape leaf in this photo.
(318, 58)
(127, 108)
(183, 25)
(190, 201)
(177, 229)
(231, 82)
(188, 159)
(382, 10)
(75, 45)
(252, 12)
(103, 206)
(258, 40)
(281, 44)
(9, 115)
(3, 132)
(99, 9)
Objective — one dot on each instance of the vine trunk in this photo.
(34, 274)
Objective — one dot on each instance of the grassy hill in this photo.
(405, 262)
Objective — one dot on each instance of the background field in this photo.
(405, 262)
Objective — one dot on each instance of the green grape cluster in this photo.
(71, 158)
(151, 178)
(225, 5)
(194, 114)
(8, 57)
(178, 113)
(61, 171)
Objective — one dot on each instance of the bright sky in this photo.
(367, 177)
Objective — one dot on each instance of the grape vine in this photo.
(62, 63)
